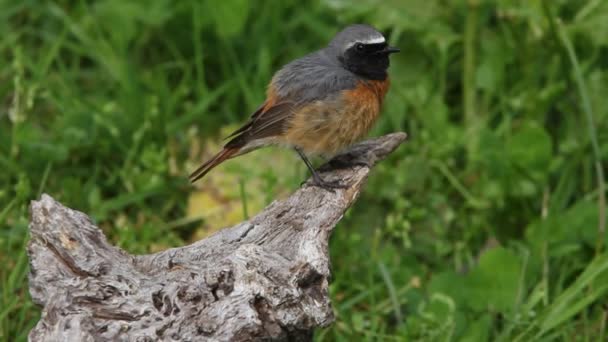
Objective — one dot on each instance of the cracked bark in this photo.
(263, 279)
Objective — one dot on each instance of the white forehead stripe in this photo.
(369, 40)
(373, 40)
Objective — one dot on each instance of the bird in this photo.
(319, 104)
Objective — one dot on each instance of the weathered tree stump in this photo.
(263, 279)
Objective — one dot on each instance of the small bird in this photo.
(318, 104)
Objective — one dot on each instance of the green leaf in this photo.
(491, 155)
(494, 284)
(490, 73)
(574, 226)
(530, 150)
(478, 330)
(229, 16)
(451, 284)
(592, 21)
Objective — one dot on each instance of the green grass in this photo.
(488, 225)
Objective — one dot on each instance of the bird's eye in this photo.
(359, 47)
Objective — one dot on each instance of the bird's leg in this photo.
(316, 178)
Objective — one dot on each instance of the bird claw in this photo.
(316, 178)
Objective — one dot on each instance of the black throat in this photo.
(370, 73)
(368, 61)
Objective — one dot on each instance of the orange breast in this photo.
(369, 91)
(327, 127)
(365, 102)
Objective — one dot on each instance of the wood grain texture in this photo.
(263, 279)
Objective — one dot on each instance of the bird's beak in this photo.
(391, 49)
(388, 50)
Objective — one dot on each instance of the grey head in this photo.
(358, 51)
(362, 50)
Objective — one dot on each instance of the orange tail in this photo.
(224, 154)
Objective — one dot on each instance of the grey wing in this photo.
(311, 78)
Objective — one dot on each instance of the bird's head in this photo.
(362, 50)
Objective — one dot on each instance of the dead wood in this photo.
(263, 279)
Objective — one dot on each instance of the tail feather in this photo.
(224, 154)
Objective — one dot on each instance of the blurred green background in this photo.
(488, 225)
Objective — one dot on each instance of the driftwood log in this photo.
(263, 279)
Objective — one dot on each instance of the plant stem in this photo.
(468, 77)
(558, 29)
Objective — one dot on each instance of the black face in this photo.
(368, 60)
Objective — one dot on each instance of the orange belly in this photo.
(329, 126)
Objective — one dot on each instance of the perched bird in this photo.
(318, 104)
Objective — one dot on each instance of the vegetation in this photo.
(489, 224)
